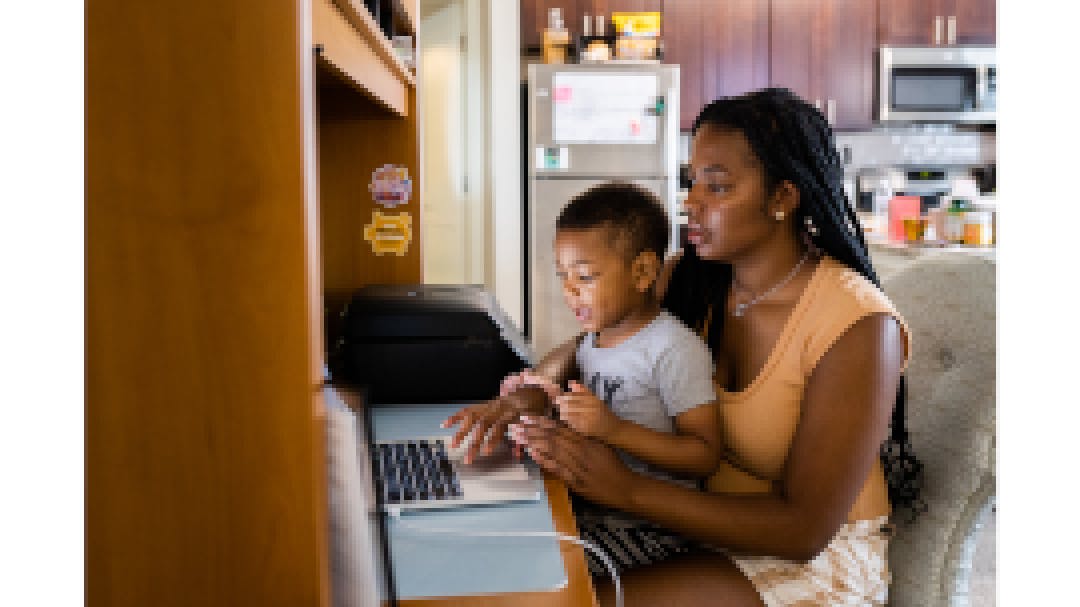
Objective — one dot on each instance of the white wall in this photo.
(504, 152)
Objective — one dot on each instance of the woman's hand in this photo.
(584, 412)
(486, 422)
(588, 467)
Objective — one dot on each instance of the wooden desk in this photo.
(579, 589)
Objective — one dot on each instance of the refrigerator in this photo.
(587, 124)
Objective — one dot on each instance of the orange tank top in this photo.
(757, 424)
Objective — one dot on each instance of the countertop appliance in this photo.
(588, 124)
(937, 84)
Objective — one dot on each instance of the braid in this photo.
(794, 142)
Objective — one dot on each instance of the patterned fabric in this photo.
(627, 541)
(851, 570)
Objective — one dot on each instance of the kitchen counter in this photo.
(891, 257)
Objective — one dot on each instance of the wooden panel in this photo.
(205, 477)
(794, 57)
(907, 22)
(976, 21)
(736, 48)
(579, 589)
(847, 61)
(356, 59)
(683, 36)
(355, 137)
(532, 22)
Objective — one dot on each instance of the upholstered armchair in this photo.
(948, 300)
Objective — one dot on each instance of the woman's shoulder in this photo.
(842, 297)
(846, 286)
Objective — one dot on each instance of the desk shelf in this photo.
(348, 41)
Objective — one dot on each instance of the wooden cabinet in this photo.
(976, 21)
(684, 45)
(722, 49)
(823, 50)
(937, 22)
(736, 48)
(206, 175)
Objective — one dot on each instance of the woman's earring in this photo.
(779, 215)
(810, 227)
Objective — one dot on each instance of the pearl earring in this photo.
(810, 227)
(779, 215)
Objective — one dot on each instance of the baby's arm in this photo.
(691, 450)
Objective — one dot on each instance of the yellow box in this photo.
(639, 24)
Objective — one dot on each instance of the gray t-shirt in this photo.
(662, 370)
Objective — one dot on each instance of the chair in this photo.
(948, 301)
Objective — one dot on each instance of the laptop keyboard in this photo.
(414, 470)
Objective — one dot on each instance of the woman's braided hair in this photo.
(793, 142)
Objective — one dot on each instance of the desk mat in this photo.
(430, 564)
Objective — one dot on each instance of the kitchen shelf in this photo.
(348, 40)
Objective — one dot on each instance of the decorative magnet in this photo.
(390, 185)
(389, 233)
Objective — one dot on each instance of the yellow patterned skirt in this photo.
(851, 570)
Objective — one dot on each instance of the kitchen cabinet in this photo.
(937, 22)
(684, 45)
(823, 50)
(722, 49)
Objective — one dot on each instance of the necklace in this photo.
(740, 308)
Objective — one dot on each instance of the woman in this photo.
(809, 355)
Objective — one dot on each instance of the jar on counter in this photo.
(978, 228)
(954, 224)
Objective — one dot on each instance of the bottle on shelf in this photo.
(556, 38)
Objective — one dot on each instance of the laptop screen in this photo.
(359, 559)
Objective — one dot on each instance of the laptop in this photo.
(425, 472)
(370, 480)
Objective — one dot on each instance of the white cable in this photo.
(598, 551)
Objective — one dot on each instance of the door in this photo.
(975, 21)
(846, 62)
(937, 22)
(823, 50)
(736, 48)
(793, 53)
(684, 46)
(910, 22)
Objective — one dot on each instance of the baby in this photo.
(646, 387)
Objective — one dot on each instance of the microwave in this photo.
(937, 84)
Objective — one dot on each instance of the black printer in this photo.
(427, 344)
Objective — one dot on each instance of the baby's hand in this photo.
(584, 412)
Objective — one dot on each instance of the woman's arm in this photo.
(848, 399)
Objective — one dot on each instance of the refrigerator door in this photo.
(552, 321)
(617, 121)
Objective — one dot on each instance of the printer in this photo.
(427, 344)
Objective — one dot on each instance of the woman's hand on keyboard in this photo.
(483, 426)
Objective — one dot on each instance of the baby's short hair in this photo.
(634, 215)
